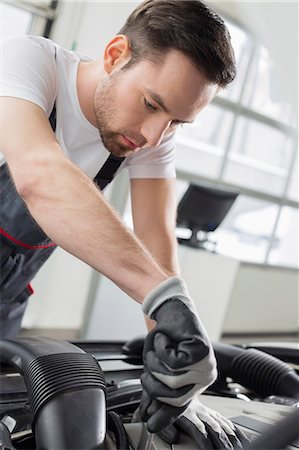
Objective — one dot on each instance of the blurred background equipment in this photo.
(201, 210)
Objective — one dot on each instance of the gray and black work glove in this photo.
(208, 428)
(178, 357)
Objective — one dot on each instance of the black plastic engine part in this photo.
(278, 437)
(66, 391)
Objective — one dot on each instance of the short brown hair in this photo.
(189, 26)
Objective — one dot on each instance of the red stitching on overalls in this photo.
(22, 244)
(30, 289)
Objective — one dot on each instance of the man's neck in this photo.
(88, 76)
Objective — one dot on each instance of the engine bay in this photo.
(255, 390)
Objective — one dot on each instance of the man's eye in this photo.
(149, 105)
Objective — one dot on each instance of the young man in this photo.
(166, 64)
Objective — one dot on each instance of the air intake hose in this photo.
(257, 371)
(66, 390)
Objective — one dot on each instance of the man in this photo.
(166, 64)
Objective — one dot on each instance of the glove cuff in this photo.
(172, 288)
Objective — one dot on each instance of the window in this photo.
(210, 129)
(293, 188)
(27, 17)
(14, 20)
(247, 229)
(243, 47)
(247, 139)
(259, 157)
(263, 90)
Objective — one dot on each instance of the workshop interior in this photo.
(237, 232)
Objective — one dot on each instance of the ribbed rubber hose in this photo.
(258, 371)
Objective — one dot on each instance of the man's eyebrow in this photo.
(158, 99)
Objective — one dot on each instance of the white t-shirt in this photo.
(36, 69)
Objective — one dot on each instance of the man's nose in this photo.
(153, 131)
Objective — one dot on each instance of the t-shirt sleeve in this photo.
(153, 162)
(28, 70)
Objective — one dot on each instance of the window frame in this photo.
(43, 14)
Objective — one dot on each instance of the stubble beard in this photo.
(105, 113)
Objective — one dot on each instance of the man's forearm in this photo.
(74, 214)
(163, 246)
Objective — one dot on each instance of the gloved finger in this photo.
(148, 342)
(145, 403)
(164, 416)
(180, 354)
(170, 434)
(241, 436)
(228, 427)
(148, 407)
(172, 378)
(220, 428)
(236, 436)
(235, 441)
(225, 423)
(153, 407)
(218, 440)
(160, 391)
(222, 422)
(216, 421)
(201, 439)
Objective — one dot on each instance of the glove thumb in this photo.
(170, 435)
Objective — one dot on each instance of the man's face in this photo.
(136, 107)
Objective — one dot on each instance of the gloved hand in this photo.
(178, 357)
(208, 428)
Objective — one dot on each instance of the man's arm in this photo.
(66, 203)
(154, 206)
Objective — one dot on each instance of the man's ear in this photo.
(117, 52)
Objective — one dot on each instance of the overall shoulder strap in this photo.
(107, 171)
(52, 118)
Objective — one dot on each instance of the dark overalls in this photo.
(24, 245)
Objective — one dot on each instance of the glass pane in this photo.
(242, 46)
(14, 21)
(245, 232)
(284, 251)
(261, 143)
(264, 89)
(200, 146)
(260, 157)
(293, 191)
(211, 126)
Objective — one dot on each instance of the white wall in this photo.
(90, 25)
(60, 293)
(264, 300)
